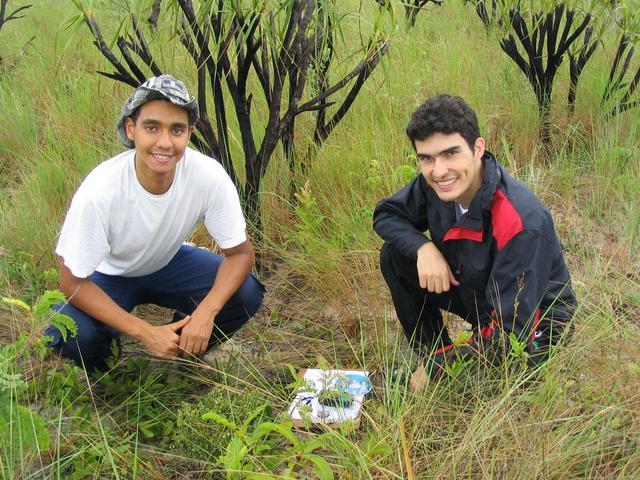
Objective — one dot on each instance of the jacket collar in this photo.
(491, 176)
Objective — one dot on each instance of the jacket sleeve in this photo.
(402, 218)
(520, 274)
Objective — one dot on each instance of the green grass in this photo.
(576, 417)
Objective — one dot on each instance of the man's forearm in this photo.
(232, 273)
(92, 300)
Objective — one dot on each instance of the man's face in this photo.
(450, 167)
(161, 134)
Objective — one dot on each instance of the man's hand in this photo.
(162, 341)
(195, 336)
(433, 270)
(233, 270)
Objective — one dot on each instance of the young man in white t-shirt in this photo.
(121, 244)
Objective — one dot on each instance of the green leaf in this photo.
(404, 174)
(221, 420)
(16, 302)
(313, 444)
(375, 447)
(323, 469)
(257, 412)
(146, 431)
(260, 476)
(283, 429)
(46, 301)
(23, 430)
(65, 324)
(463, 336)
(233, 457)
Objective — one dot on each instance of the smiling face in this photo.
(161, 133)
(450, 167)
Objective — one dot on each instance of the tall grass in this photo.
(576, 417)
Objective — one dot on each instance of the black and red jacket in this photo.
(504, 251)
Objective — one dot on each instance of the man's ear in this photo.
(479, 148)
(129, 126)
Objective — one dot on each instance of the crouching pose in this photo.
(122, 242)
(492, 255)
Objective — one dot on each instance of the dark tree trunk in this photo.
(229, 45)
(542, 36)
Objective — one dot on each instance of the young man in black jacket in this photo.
(492, 255)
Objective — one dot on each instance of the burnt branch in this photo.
(155, 13)
(5, 18)
(618, 87)
(323, 131)
(121, 74)
(617, 72)
(229, 46)
(577, 62)
(413, 7)
(313, 103)
(124, 48)
(544, 38)
(140, 47)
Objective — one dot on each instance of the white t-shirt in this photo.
(460, 211)
(116, 227)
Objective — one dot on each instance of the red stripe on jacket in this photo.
(459, 233)
(505, 219)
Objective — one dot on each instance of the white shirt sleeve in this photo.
(83, 238)
(224, 219)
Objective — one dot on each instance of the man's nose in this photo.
(439, 167)
(164, 139)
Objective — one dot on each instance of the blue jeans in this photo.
(181, 285)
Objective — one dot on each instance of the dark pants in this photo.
(181, 285)
(418, 309)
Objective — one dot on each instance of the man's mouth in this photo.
(445, 182)
(161, 157)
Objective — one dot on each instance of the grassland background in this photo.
(326, 298)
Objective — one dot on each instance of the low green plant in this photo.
(23, 432)
(459, 365)
(310, 220)
(518, 353)
(43, 311)
(24, 272)
(205, 441)
(143, 396)
(64, 391)
(404, 173)
(42, 314)
(257, 449)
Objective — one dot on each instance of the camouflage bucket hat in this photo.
(157, 88)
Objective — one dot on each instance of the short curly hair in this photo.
(444, 114)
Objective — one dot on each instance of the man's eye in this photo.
(178, 131)
(150, 128)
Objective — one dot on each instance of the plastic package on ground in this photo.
(307, 405)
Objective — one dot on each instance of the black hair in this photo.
(444, 114)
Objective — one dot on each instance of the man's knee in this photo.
(387, 255)
(390, 259)
(92, 344)
(89, 347)
(250, 295)
(397, 269)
